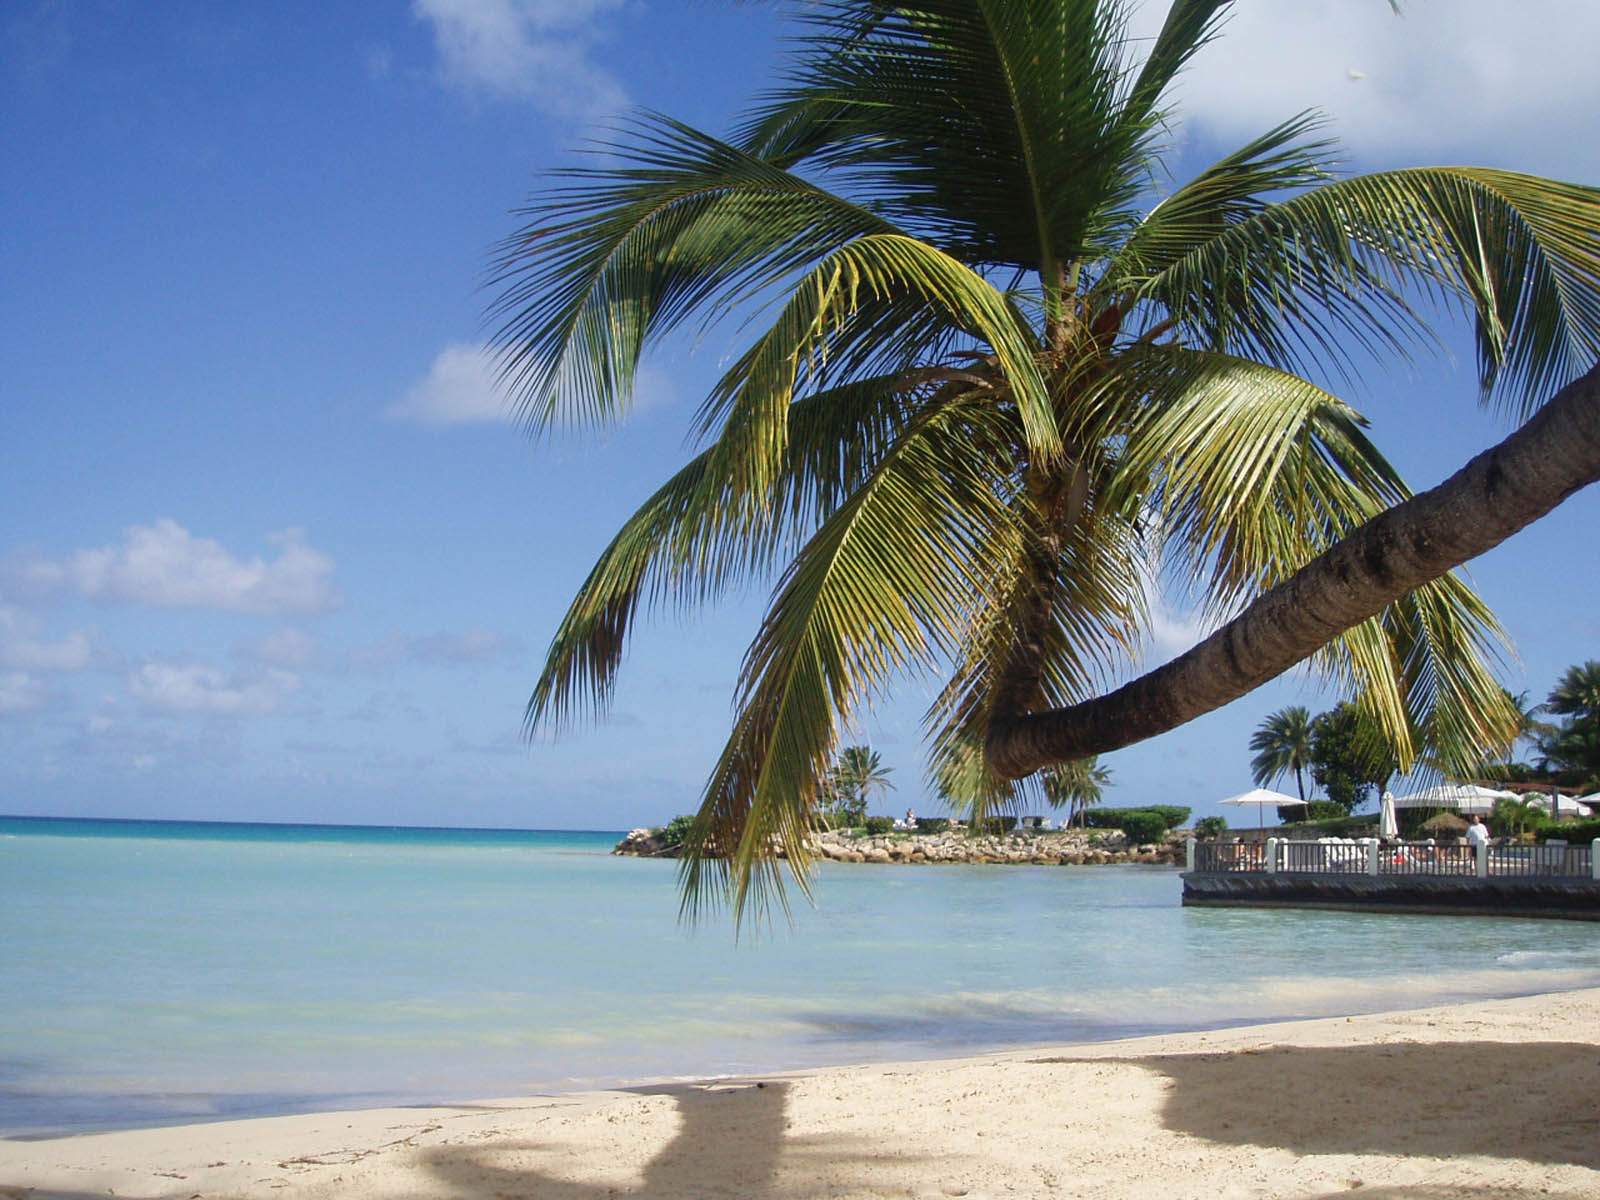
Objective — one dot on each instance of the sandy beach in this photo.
(1490, 1099)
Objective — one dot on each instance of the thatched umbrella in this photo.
(1445, 824)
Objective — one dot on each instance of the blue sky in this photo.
(270, 549)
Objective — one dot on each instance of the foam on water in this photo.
(158, 972)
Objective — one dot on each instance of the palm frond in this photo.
(1251, 470)
(749, 405)
(1423, 671)
(1097, 618)
(883, 585)
(995, 130)
(1189, 25)
(1520, 253)
(1235, 188)
(688, 542)
(623, 255)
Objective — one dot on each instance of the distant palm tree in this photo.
(1282, 744)
(1578, 693)
(1075, 786)
(1574, 745)
(858, 773)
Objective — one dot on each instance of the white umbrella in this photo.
(1388, 826)
(1260, 799)
(1583, 806)
(1463, 797)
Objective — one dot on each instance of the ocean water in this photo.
(160, 972)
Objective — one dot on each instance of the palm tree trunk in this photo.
(1500, 491)
(1058, 504)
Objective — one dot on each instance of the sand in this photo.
(1489, 1099)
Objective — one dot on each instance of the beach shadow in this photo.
(730, 1142)
(1537, 1101)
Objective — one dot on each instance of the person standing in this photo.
(1477, 832)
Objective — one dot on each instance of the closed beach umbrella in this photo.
(1260, 799)
(1463, 797)
(1388, 826)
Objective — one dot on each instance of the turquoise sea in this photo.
(161, 972)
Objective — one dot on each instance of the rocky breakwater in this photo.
(1056, 848)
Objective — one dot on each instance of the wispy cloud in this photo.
(19, 692)
(460, 388)
(435, 650)
(165, 566)
(23, 647)
(202, 689)
(540, 51)
(1456, 81)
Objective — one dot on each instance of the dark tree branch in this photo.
(1499, 492)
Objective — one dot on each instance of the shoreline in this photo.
(1500, 1097)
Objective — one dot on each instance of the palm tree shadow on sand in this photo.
(1538, 1101)
(694, 1163)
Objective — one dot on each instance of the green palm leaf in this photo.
(884, 585)
(610, 263)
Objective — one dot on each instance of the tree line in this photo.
(1346, 754)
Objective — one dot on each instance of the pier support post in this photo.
(1272, 856)
(1372, 855)
(1482, 849)
(1594, 859)
(1188, 854)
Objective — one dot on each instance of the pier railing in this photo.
(1369, 856)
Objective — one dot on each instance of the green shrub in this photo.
(1141, 827)
(1170, 816)
(1324, 810)
(1570, 831)
(675, 830)
(877, 825)
(1211, 827)
(1365, 825)
(932, 824)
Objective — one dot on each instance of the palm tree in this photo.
(1573, 746)
(1577, 694)
(989, 374)
(1075, 786)
(1282, 744)
(858, 773)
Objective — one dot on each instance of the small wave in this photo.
(1540, 959)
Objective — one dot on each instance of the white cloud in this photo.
(21, 647)
(200, 689)
(1174, 630)
(534, 50)
(1450, 80)
(74, 652)
(460, 388)
(19, 692)
(165, 566)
